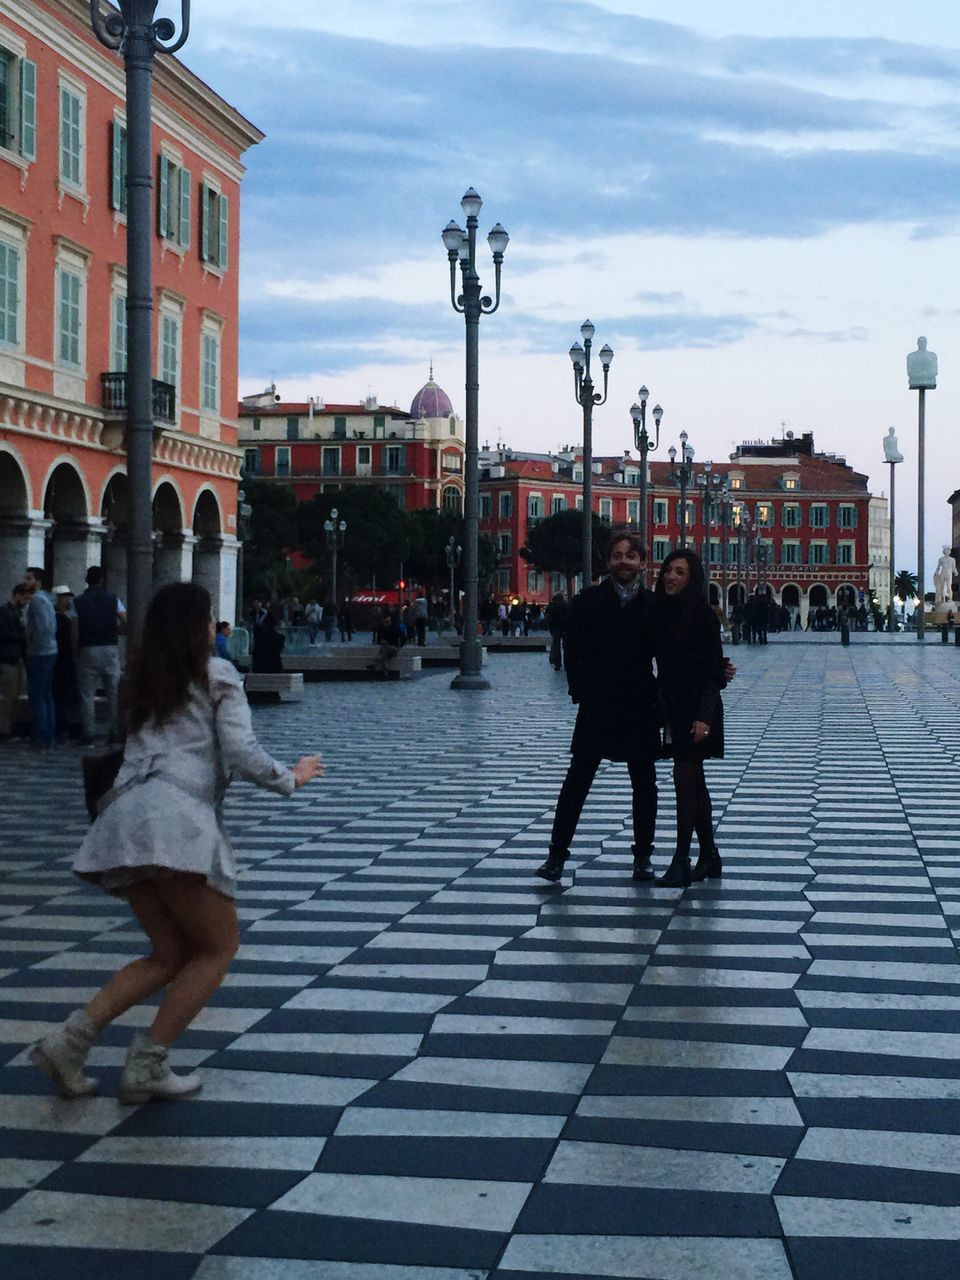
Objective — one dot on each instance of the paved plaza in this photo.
(426, 1064)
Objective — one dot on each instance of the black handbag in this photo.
(100, 769)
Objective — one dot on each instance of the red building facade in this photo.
(797, 521)
(417, 456)
(63, 487)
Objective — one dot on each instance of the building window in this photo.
(394, 459)
(256, 424)
(633, 511)
(331, 461)
(451, 498)
(399, 494)
(251, 462)
(791, 483)
(819, 516)
(506, 506)
(534, 581)
(453, 425)
(118, 166)
(818, 553)
(118, 333)
(340, 427)
(18, 104)
(293, 428)
(452, 461)
(790, 551)
(282, 460)
(736, 482)
(847, 516)
(661, 548)
(9, 295)
(606, 510)
(691, 514)
(765, 515)
(791, 515)
(173, 202)
(535, 506)
(69, 317)
(579, 502)
(379, 421)
(631, 476)
(578, 475)
(486, 506)
(170, 349)
(71, 136)
(504, 544)
(503, 581)
(210, 373)
(845, 553)
(660, 511)
(558, 503)
(214, 226)
(363, 459)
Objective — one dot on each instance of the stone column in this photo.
(173, 557)
(15, 551)
(77, 545)
(229, 552)
(206, 571)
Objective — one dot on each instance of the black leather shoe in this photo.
(677, 875)
(642, 866)
(708, 866)
(552, 869)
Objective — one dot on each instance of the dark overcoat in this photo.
(610, 674)
(690, 666)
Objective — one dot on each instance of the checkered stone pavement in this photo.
(426, 1064)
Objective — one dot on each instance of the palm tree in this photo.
(905, 587)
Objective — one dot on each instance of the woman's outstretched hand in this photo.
(306, 769)
(700, 731)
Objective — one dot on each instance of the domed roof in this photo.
(431, 401)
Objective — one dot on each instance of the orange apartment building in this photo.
(63, 487)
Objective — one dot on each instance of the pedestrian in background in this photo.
(159, 843)
(556, 620)
(66, 691)
(100, 617)
(421, 613)
(13, 648)
(690, 674)
(41, 658)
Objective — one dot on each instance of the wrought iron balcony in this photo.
(114, 387)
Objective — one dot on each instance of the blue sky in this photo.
(756, 203)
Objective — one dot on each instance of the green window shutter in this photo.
(184, 237)
(28, 109)
(118, 169)
(204, 222)
(163, 165)
(224, 231)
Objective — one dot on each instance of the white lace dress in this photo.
(163, 814)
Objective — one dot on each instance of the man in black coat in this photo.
(610, 677)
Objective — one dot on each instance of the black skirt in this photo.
(678, 741)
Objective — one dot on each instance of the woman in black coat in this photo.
(690, 671)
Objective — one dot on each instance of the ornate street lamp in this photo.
(638, 412)
(471, 303)
(452, 552)
(138, 36)
(334, 529)
(586, 397)
(921, 377)
(683, 473)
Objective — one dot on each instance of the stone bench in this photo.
(353, 663)
(280, 686)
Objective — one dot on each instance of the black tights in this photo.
(694, 810)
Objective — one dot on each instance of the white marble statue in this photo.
(922, 368)
(943, 578)
(891, 452)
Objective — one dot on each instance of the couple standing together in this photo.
(625, 713)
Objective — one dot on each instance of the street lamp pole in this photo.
(335, 529)
(586, 397)
(638, 412)
(471, 303)
(686, 458)
(921, 377)
(892, 456)
(723, 509)
(704, 481)
(452, 552)
(134, 32)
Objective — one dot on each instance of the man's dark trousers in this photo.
(576, 786)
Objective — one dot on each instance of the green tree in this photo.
(376, 542)
(430, 529)
(268, 538)
(905, 588)
(555, 545)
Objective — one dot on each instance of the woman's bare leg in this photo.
(142, 978)
(208, 922)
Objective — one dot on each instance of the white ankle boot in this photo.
(62, 1053)
(146, 1074)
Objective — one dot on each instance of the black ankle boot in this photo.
(552, 869)
(709, 866)
(677, 875)
(642, 866)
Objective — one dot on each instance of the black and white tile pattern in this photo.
(427, 1065)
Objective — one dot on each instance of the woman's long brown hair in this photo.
(173, 654)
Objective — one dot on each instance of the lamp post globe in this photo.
(588, 398)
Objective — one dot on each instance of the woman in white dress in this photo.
(159, 843)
